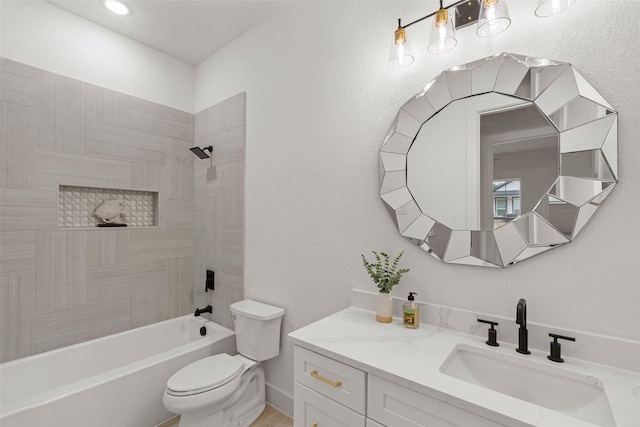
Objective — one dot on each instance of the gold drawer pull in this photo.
(315, 375)
(314, 425)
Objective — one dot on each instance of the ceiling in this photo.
(190, 30)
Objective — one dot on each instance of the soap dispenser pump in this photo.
(411, 312)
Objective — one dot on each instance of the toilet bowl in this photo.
(224, 390)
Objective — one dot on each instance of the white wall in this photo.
(44, 36)
(320, 98)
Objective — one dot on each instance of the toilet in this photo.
(224, 390)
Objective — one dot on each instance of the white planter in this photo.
(384, 308)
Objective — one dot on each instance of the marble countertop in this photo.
(413, 357)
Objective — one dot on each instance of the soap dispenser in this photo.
(411, 312)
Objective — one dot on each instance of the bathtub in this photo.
(115, 381)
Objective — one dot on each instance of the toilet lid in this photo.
(206, 373)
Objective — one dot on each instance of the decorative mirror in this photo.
(499, 160)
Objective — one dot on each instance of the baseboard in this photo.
(279, 400)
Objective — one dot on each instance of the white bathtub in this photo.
(115, 381)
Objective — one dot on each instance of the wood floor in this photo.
(271, 417)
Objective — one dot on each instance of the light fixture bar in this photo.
(434, 13)
(491, 16)
(467, 13)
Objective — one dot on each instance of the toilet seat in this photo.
(204, 375)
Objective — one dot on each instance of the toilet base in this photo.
(249, 401)
(243, 407)
(248, 418)
(199, 420)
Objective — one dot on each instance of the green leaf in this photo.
(384, 272)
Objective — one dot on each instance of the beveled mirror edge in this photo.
(436, 95)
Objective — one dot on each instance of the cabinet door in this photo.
(371, 423)
(394, 405)
(342, 383)
(311, 409)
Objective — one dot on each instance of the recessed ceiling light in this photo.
(116, 7)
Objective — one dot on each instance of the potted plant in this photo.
(385, 274)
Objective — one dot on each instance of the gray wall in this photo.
(219, 205)
(61, 286)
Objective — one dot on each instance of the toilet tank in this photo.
(257, 329)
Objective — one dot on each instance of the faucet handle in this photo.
(493, 334)
(555, 347)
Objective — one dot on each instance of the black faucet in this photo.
(521, 319)
(554, 350)
(207, 309)
(493, 334)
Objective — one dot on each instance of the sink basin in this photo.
(552, 387)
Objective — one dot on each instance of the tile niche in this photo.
(76, 206)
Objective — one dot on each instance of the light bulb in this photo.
(493, 19)
(443, 34)
(401, 54)
(116, 7)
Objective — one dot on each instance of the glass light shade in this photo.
(493, 18)
(443, 35)
(551, 7)
(401, 54)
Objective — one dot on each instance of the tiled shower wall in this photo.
(61, 286)
(219, 205)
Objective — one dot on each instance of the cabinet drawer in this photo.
(394, 405)
(342, 383)
(311, 409)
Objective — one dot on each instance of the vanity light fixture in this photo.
(401, 54)
(491, 16)
(117, 7)
(493, 19)
(551, 7)
(443, 33)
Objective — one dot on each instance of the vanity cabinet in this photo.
(394, 405)
(328, 393)
(312, 409)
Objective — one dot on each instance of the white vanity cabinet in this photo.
(394, 405)
(328, 393)
(353, 371)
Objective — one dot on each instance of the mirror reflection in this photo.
(499, 160)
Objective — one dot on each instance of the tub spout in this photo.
(207, 309)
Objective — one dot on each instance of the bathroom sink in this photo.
(555, 388)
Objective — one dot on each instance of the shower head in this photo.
(200, 151)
